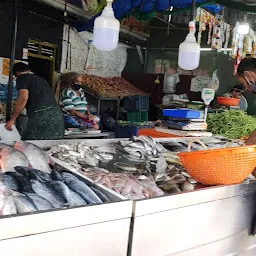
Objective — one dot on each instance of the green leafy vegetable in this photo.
(231, 124)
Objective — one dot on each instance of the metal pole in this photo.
(193, 11)
(12, 60)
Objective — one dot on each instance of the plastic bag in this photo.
(161, 165)
(9, 135)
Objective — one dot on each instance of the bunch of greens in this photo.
(231, 124)
(127, 123)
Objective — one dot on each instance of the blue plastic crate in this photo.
(183, 113)
(128, 131)
(136, 103)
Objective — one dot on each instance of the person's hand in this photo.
(251, 140)
(91, 117)
(9, 124)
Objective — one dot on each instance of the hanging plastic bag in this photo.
(147, 6)
(9, 135)
(135, 3)
(161, 165)
(215, 83)
(162, 5)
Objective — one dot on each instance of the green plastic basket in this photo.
(137, 116)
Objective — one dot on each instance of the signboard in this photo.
(5, 69)
(200, 82)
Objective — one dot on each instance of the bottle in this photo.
(189, 50)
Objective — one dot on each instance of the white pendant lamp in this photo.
(189, 50)
(106, 29)
(243, 28)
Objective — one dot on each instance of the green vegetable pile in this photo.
(233, 124)
(127, 123)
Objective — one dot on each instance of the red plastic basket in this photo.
(229, 102)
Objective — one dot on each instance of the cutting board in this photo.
(185, 133)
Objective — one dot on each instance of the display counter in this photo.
(212, 221)
(215, 221)
(72, 231)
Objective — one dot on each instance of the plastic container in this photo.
(189, 50)
(183, 113)
(136, 103)
(220, 166)
(229, 102)
(128, 131)
(137, 116)
(106, 29)
(170, 82)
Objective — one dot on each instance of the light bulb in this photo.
(189, 50)
(106, 29)
(243, 28)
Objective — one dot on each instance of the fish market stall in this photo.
(52, 211)
(202, 220)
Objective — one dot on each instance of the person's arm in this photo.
(252, 139)
(76, 113)
(20, 104)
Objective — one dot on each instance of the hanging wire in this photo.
(193, 10)
(68, 42)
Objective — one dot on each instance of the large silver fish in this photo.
(38, 159)
(40, 202)
(10, 158)
(33, 173)
(101, 195)
(23, 182)
(23, 203)
(72, 198)
(48, 193)
(81, 188)
(7, 204)
(9, 182)
(55, 175)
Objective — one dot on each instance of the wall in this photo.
(106, 64)
(30, 25)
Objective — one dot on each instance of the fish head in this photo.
(67, 176)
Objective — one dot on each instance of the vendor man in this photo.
(247, 76)
(45, 121)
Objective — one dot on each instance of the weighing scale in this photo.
(196, 124)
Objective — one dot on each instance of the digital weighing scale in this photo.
(190, 124)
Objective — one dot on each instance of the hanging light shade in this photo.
(243, 28)
(189, 50)
(106, 29)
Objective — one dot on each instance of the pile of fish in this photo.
(29, 190)
(174, 180)
(79, 154)
(149, 171)
(126, 184)
(23, 154)
(210, 143)
(143, 147)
